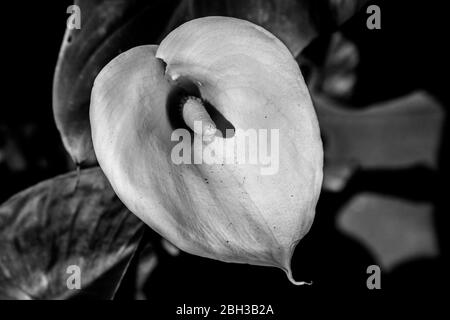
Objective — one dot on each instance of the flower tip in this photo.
(293, 281)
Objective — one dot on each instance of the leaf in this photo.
(108, 27)
(335, 75)
(396, 134)
(148, 261)
(394, 229)
(64, 221)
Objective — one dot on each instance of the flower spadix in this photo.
(223, 73)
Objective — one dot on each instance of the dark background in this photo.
(409, 52)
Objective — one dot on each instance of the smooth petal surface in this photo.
(230, 212)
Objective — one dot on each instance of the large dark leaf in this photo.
(69, 220)
(108, 27)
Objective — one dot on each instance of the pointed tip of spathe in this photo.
(293, 281)
(287, 268)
